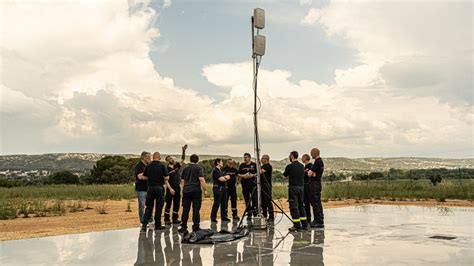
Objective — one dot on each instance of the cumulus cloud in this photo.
(420, 47)
(89, 85)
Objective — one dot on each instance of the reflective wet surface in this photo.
(364, 235)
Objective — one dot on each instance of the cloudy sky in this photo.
(355, 78)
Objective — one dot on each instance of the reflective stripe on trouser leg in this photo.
(296, 220)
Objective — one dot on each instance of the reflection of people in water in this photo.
(267, 256)
(172, 250)
(305, 250)
(258, 248)
(145, 249)
(196, 255)
(159, 256)
(225, 253)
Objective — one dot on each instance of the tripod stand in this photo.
(250, 200)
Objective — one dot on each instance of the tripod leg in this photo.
(278, 206)
(246, 207)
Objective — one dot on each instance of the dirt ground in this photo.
(118, 218)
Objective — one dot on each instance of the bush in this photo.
(7, 210)
(113, 170)
(8, 183)
(63, 177)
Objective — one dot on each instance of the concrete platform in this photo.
(364, 235)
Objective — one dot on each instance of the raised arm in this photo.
(183, 153)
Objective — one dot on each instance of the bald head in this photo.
(265, 159)
(315, 153)
(156, 156)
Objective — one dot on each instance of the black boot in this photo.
(296, 227)
(304, 225)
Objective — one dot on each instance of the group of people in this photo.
(161, 185)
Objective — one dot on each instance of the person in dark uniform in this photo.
(219, 189)
(266, 177)
(307, 192)
(193, 183)
(295, 174)
(230, 170)
(157, 176)
(174, 170)
(247, 174)
(141, 184)
(316, 177)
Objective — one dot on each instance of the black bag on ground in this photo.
(208, 236)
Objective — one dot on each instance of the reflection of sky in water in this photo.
(370, 234)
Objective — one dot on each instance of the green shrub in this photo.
(7, 210)
(63, 177)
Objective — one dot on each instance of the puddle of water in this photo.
(368, 235)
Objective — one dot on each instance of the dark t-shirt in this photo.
(190, 175)
(307, 167)
(156, 172)
(267, 176)
(174, 173)
(232, 171)
(248, 168)
(318, 168)
(216, 174)
(295, 173)
(140, 185)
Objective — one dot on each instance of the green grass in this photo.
(70, 192)
(34, 201)
(399, 189)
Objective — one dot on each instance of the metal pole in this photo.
(255, 119)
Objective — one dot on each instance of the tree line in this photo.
(120, 170)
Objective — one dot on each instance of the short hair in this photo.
(265, 156)
(194, 158)
(294, 154)
(230, 159)
(306, 156)
(167, 157)
(247, 154)
(316, 150)
(144, 155)
(156, 155)
(217, 161)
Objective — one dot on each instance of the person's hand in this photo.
(184, 147)
(172, 192)
(206, 195)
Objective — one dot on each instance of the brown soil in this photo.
(118, 218)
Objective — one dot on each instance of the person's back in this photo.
(157, 175)
(155, 172)
(295, 173)
(190, 175)
(193, 184)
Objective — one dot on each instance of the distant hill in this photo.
(83, 162)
